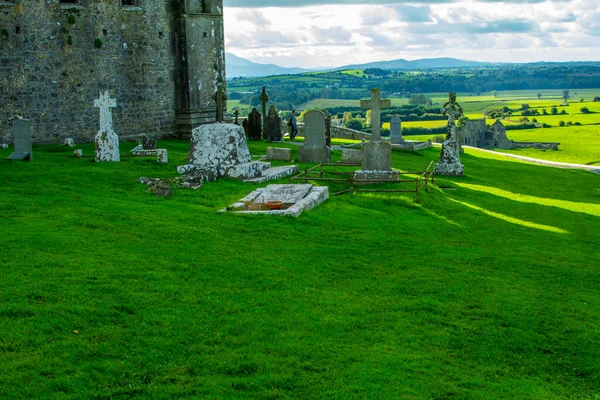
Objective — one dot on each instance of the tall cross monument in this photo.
(264, 98)
(375, 105)
(107, 141)
(449, 164)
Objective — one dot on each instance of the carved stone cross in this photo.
(452, 109)
(105, 103)
(375, 105)
(220, 99)
(236, 114)
(264, 98)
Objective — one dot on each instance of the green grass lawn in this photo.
(488, 291)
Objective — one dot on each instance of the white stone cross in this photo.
(375, 104)
(105, 103)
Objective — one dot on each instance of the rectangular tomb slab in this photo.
(298, 198)
(284, 193)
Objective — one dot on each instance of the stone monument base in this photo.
(377, 156)
(377, 175)
(449, 169)
(314, 155)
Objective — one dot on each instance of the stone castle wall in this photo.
(56, 58)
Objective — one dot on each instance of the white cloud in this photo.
(484, 30)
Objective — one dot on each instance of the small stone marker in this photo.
(279, 154)
(273, 126)
(264, 99)
(236, 115)
(69, 142)
(396, 130)
(107, 141)
(352, 157)
(78, 153)
(162, 156)
(449, 164)
(22, 140)
(254, 125)
(375, 105)
(314, 149)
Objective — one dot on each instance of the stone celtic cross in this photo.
(375, 105)
(264, 98)
(452, 109)
(105, 103)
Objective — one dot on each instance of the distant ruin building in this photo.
(161, 60)
(477, 133)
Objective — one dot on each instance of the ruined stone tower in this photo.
(160, 59)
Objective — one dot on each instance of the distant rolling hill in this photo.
(426, 63)
(239, 67)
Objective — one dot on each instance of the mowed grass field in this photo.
(486, 291)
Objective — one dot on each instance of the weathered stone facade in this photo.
(160, 60)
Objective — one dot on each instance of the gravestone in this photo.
(377, 154)
(396, 130)
(69, 142)
(264, 99)
(254, 125)
(314, 149)
(22, 140)
(162, 156)
(273, 126)
(236, 116)
(78, 153)
(352, 157)
(449, 164)
(107, 141)
(279, 154)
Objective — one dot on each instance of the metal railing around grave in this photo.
(319, 173)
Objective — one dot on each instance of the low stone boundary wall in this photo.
(536, 145)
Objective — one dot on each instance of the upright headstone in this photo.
(254, 125)
(220, 98)
(315, 149)
(236, 116)
(22, 140)
(107, 141)
(327, 128)
(396, 130)
(273, 126)
(264, 99)
(377, 154)
(449, 164)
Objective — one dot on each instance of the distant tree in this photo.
(554, 111)
(524, 106)
(585, 110)
(566, 95)
(347, 117)
(561, 123)
(597, 98)
(539, 95)
(563, 112)
(505, 109)
(544, 112)
(494, 93)
(418, 99)
(354, 124)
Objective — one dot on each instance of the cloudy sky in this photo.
(329, 33)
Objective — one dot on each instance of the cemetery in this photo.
(198, 253)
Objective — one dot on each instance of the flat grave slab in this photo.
(295, 199)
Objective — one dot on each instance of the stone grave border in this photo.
(318, 172)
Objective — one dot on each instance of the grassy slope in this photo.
(489, 291)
